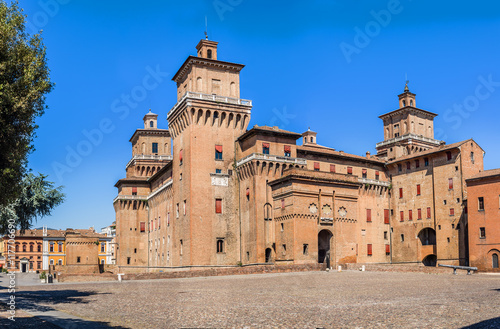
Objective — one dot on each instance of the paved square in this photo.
(348, 299)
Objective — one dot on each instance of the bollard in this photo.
(120, 276)
(362, 268)
(339, 269)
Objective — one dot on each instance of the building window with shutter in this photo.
(218, 206)
(368, 215)
(450, 183)
(103, 246)
(364, 173)
(408, 165)
(401, 216)
(480, 203)
(386, 216)
(288, 150)
(218, 152)
(452, 211)
(332, 168)
(428, 212)
(59, 247)
(387, 249)
(377, 175)
(419, 213)
(410, 214)
(265, 148)
(400, 192)
(482, 233)
(143, 227)
(155, 148)
(316, 166)
(51, 247)
(349, 170)
(134, 190)
(369, 249)
(180, 157)
(418, 189)
(282, 203)
(448, 155)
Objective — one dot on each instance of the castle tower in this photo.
(205, 122)
(309, 137)
(151, 151)
(407, 130)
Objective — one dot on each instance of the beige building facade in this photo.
(209, 191)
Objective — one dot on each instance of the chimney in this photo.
(367, 154)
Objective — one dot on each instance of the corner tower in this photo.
(407, 130)
(205, 122)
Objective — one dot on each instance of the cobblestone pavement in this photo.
(348, 299)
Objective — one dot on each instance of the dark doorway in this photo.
(268, 255)
(430, 260)
(427, 236)
(324, 237)
(495, 260)
(24, 267)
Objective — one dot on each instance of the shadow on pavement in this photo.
(45, 322)
(486, 324)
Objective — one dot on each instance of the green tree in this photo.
(24, 82)
(37, 198)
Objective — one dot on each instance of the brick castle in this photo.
(207, 191)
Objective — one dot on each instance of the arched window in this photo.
(31, 247)
(198, 84)
(494, 258)
(39, 248)
(59, 262)
(312, 139)
(24, 247)
(51, 262)
(209, 53)
(411, 102)
(220, 245)
(404, 103)
(102, 261)
(151, 124)
(17, 247)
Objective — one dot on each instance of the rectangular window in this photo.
(218, 152)
(417, 163)
(452, 211)
(265, 148)
(284, 249)
(220, 245)
(482, 233)
(418, 189)
(450, 183)
(288, 150)
(364, 173)
(386, 216)
(400, 168)
(59, 247)
(400, 192)
(369, 249)
(419, 213)
(410, 214)
(426, 162)
(184, 207)
(385, 235)
(448, 155)
(180, 157)
(401, 216)
(480, 203)
(408, 165)
(51, 248)
(368, 215)
(305, 249)
(387, 249)
(155, 148)
(349, 170)
(177, 210)
(402, 238)
(134, 190)
(143, 226)
(78, 260)
(472, 157)
(377, 175)
(103, 246)
(218, 171)
(282, 203)
(332, 168)
(428, 212)
(218, 206)
(316, 166)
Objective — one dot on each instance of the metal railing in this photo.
(149, 157)
(208, 97)
(260, 156)
(374, 182)
(409, 136)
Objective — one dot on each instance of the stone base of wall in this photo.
(400, 268)
(191, 272)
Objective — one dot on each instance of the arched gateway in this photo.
(324, 238)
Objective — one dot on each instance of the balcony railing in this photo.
(215, 98)
(409, 136)
(260, 156)
(131, 197)
(149, 157)
(374, 182)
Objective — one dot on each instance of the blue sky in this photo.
(334, 66)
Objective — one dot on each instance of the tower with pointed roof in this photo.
(407, 130)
